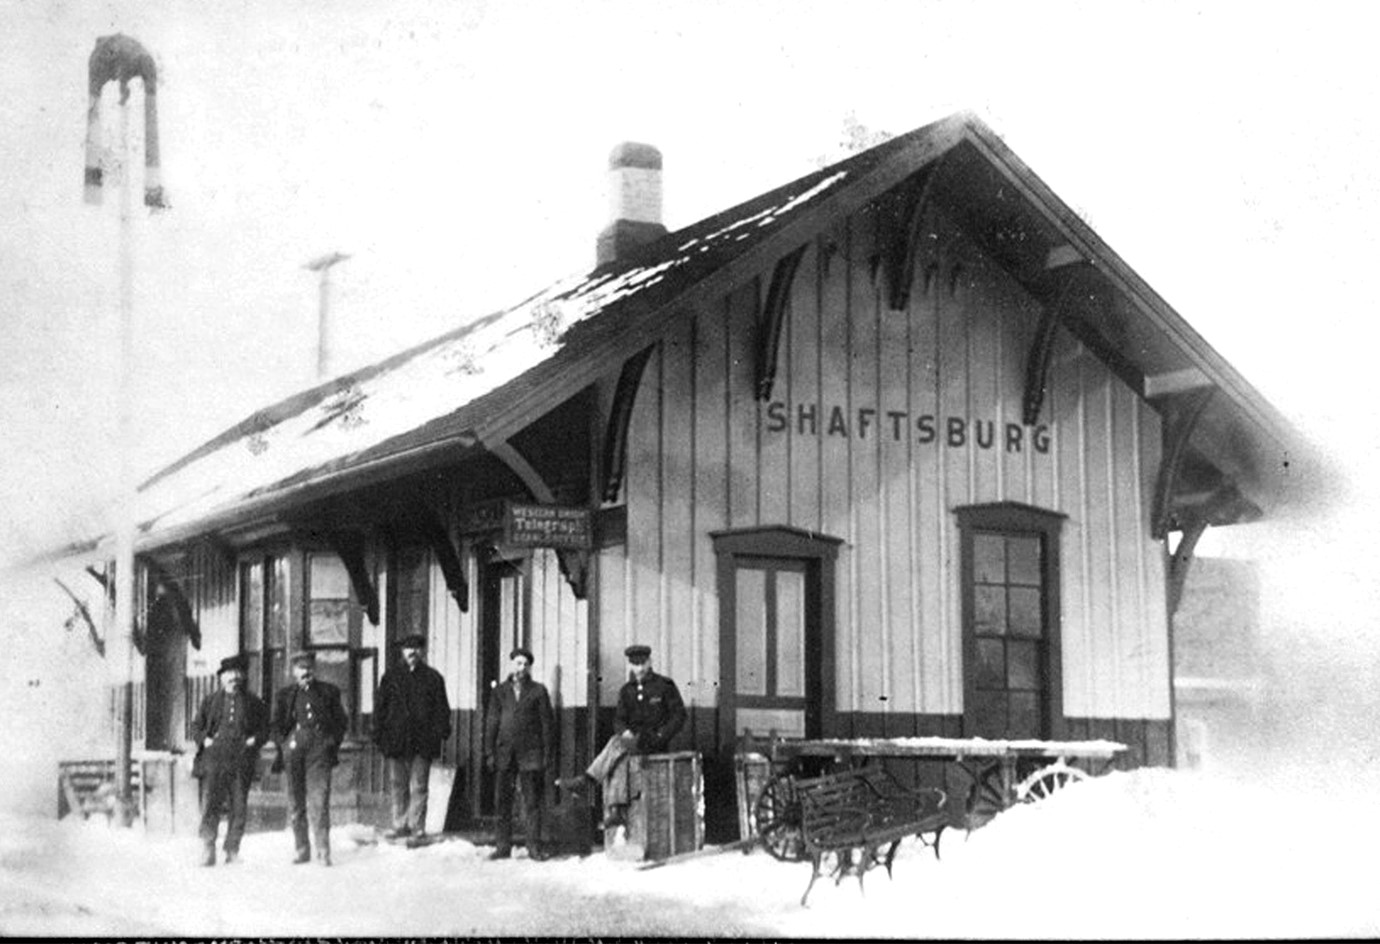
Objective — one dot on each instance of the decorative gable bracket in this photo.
(772, 319)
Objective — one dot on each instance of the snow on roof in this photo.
(329, 425)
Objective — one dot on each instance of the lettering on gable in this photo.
(865, 422)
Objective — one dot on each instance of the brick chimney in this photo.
(634, 201)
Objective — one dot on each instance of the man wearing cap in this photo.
(650, 713)
(411, 722)
(518, 741)
(310, 722)
(229, 728)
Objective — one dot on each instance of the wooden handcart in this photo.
(999, 774)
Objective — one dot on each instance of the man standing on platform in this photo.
(518, 746)
(650, 713)
(310, 722)
(411, 722)
(229, 728)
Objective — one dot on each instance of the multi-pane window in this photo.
(336, 629)
(1008, 625)
(322, 616)
(264, 622)
(1011, 652)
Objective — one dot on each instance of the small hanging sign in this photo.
(529, 525)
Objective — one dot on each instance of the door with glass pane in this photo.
(775, 668)
(1011, 622)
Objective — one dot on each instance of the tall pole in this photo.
(125, 515)
(325, 330)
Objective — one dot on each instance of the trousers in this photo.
(225, 790)
(610, 768)
(532, 784)
(308, 767)
(409, 780)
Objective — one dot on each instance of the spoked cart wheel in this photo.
(1047, 781)
(780, 820)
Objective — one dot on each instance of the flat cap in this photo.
(524, 652)
(236, 663)
(414, 641)
(304, 658)
(638, 653)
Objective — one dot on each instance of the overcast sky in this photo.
(457, 151)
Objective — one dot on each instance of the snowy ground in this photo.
(1151, 854)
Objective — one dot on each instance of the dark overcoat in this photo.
(651, 709)
(519, 730)
(411, 712)
(328, 714)
(210, 722)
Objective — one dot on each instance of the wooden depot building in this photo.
(894, 449)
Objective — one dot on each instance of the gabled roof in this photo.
(485, 380)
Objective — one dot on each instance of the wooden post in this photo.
(125, 516)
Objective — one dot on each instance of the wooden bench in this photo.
(854, 813)
(88, 786)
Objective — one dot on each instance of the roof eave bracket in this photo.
(615, 458)
(772, 320)
(1181, 418)
(904, 238)
(449, 556)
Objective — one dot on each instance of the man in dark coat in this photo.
(229, 728)
(518, 742)
(650, 713)
(411, 722)
(309, 722)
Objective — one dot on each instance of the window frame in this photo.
(1013, 519)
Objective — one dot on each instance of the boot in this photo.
(208, 854)
(232, 856)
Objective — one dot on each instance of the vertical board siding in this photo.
(453, 648)
(676, 645)
(870, 629)
(705, 455)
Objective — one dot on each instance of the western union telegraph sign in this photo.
(525, 525)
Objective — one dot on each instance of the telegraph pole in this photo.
(125, 516)
(118, 58)
(324, 328)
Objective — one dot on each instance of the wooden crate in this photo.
(666, 815)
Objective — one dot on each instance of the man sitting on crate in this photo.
(649, 714)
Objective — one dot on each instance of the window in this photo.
(1010, 621)
(345, 642)
(263, 622)
(321, 614)
(770, 599)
